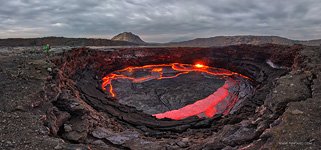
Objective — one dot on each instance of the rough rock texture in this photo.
(298, 127)
(44, 108)
(23, 101)
(128, 37)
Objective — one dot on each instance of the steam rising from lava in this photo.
(221, 101)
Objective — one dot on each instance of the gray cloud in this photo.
(160, 20)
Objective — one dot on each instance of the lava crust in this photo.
(180, 81)
(119, 122)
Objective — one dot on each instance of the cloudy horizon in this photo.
(159, 20)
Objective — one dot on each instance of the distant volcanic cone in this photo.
(128, 37)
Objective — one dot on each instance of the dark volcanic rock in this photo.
(290, 88)
(298, 127)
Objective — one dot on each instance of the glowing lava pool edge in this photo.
(221, 101)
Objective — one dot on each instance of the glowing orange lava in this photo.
(199, 65)
(204, 106)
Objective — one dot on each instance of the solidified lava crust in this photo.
(86, 113)
(178, 84)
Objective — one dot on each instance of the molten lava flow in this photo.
(206, 106)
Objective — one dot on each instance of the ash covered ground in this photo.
(288, 118)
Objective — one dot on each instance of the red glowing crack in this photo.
(206, 106)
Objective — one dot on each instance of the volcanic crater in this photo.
(153, 97)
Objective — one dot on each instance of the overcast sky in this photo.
(160, 20)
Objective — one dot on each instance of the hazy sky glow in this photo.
(160, 20)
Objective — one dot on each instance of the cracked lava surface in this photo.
(207, 106)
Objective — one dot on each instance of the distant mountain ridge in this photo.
(236, 40)
(128, 37)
